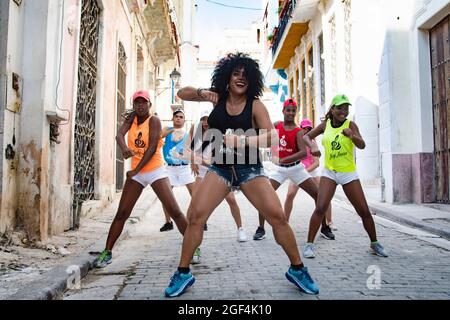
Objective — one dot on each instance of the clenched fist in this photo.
(209, 96)
(348, 133)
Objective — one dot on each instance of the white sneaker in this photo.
(196, 257)
(332, 226)
(309, 251)
(242, 237)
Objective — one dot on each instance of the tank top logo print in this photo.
(283, 142)
(139, 143)
(284, 147)
(336, 146)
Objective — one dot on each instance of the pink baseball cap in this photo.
(306, 123)
(141, 94)
(289, 102)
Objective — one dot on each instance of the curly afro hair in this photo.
(232, 61)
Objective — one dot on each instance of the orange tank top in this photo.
(138, 142)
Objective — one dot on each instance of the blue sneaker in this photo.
(179, 283)
(377, 249)
(303, 280)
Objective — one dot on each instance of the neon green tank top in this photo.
(339, 150)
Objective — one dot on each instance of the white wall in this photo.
(34, 137)
(362, 87)
(188, 56)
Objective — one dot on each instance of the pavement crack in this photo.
(128, 275)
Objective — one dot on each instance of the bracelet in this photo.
(199, 92)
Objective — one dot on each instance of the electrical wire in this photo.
(234, 7)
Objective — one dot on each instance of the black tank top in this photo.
(241, 124)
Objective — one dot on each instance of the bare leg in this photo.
(328, 213)
(165, 194)
(289, 202)
(327, 189)
(355, 194)
(190, 188)
(275, 186)
(130, 194)
(234, 208)
(196, 185)
(166, 214)
(264, 198)
(312, 188)
(207, 197)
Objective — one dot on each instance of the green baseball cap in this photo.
(339, 100)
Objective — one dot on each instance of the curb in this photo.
(53, 283)
(402, 220)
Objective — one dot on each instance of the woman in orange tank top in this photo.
(144, 147)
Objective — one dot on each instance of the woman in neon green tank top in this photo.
(340, 136)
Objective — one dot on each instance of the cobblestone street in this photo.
(417, 266)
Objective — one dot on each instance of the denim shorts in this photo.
(236, 175)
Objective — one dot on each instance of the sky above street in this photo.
(214, 16)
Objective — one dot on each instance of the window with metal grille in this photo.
(311, 86)
(322, 72)
(304, 92)
(84, 130)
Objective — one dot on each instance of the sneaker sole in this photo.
(309, 257)
(260, 238)
(377, 254)
(326, 237)
(242, 240)
(299, 285)
(103, 265)
(182, 290)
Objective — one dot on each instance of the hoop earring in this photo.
(228, 86)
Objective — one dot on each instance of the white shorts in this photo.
(202, 170)
(315, 173)
(297, 174)
(180, 175)
(147, 178)
(341, 178)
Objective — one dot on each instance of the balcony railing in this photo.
(285, 16)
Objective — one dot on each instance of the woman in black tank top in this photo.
(237, 83)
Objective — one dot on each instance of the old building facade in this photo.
(392, 59)
(68, 70)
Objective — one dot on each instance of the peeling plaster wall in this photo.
(34, 144)
(10, 61)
